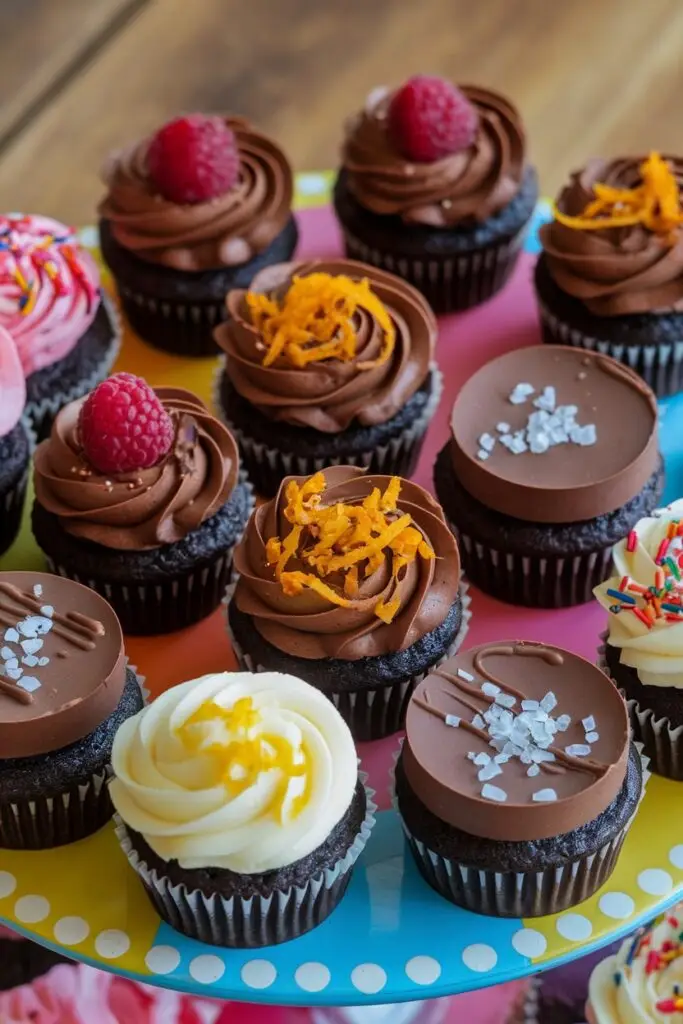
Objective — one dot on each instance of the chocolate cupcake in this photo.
(643, 649)
(435, 186)
(195, 210)
(517, 780)
(22, 961)
(269, 814)
(139, 496)
(64, 691)
(610, 278)
(553, 458)
(66, 331)
(15, 442)
(351, 582)
(328, 362)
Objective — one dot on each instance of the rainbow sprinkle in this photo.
(662, 602)
(37, 252)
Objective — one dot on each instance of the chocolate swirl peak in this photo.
(616, 242)
(327, 343)
(516, 741)
(348, 566)
(467, 186)
(145, 508)
(225, 231)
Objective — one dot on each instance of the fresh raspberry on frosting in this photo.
(429, 118)
(123, 425)
(193, 159)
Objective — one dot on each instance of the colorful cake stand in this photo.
(392, 938)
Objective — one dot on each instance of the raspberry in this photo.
(430, 118)
(193, 159)
(123, 425)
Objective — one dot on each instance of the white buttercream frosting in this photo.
(237, 771)
(656, 652)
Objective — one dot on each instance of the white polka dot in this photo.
(479, 957)
(112, 943)
(529, 942)
(310, 184)
(312, 977)
(423, 970)
(574, 927)
(69, 931)
(655, 881)
(258, 973)
(31, 909)
(676, 856)
(8, 884)
(162, 959)
(207, 969)
(368, 978)
(618, 905)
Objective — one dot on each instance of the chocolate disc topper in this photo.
(516, 741)
(62, 666)
(554, 434)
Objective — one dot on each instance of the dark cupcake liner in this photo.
(181, 328)
(42, 413)
(380, 711)
(13, 500)
(260, 920)
(267, 467)
(534, 581)
(449, 283)
(660, 364)
(662, 743)
(48, 821)
(520, 893)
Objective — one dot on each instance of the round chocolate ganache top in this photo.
(552, 434)
(369, 603)
(516, 741)
(62, 664)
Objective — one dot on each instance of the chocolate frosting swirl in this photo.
(331, 395)
(310, 626)
(145, 508)
(226, 231)
(467, 186)
(614, 271)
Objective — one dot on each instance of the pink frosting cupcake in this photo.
(15, 441)
(51, 303)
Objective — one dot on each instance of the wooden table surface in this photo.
(78, 77)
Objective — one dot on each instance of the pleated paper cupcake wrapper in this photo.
(448, 283)
(267, 467)
(181, 328)
(259, 921)
(43, 412)
(48, 821)
(662, 743)
(533, 581)
(660, 365)
(13, 501)
(373, 713)
(518, 893)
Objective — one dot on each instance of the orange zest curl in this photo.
(315, 321)
(655, 203)
(351, 541)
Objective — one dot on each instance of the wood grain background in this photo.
(79, 77)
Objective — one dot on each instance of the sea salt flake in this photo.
(13, 673)
(549, 702)
(489, 771)
(588, 724)
(539, 756)
(478, 722)
(29, 683)
(533, 770)
(493, 793)
(482, 455)
(471, 755)
(563, 723)
(467, 676)
(530, 705)
(490, 689)
(577, 750)
(501, 759)
(544, 796)
(12, 662)
(31, 646)
(38, 590)
(35, 625)
(452, 720)
(30, 661)
(546, 400)
(592, 737)
(584, 436)
(11, 636)
(47, 610)
(506, 700)
(487, 442)
(520, 393)
(503, 428)
(539, 443)
(6, 653)
(43, 662)
(482, 758)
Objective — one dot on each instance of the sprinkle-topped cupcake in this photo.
(611, 273)
(352, 581)
(644, 644)
(52, 305)
(553, 458)
(15, 443)
(190, 212)
(328, 361)
(435, 186)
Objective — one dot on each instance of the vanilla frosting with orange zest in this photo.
(49, 289)
(644, 623)
(242, 772)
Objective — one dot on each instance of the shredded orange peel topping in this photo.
(655, 203)
(351, 540)
(315, 321)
